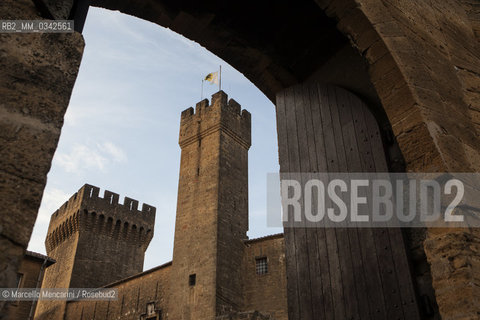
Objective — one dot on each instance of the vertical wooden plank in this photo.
(401, 268)
(366, 238)
(403, 272)
(296, 119)
(380, 235)
(289, 233)
(321, 166)
(318, 300)
(337, 273)
(354, 165)
(343, 241)
(336, 280)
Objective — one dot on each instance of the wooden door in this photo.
(339, 273)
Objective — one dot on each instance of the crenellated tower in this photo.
(95, 241)
(212, 209)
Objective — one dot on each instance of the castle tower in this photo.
(212, 209)
(95, 241)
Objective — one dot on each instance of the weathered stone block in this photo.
(38, 74)
(18, 9)
(59, 9)
(27, 146)
(20, 200)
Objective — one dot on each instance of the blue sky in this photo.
(121, 127)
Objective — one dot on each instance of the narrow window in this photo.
(261, 265)
(192, 279)
(19, 279)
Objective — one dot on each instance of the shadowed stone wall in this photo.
(36, 80)
(31, 272)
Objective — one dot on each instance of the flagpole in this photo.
(220, 82)
(201, 95)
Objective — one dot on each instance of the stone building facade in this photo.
(216, 270)
(30, 275)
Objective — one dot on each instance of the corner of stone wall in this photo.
(36, 82)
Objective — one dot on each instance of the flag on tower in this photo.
(212, 77)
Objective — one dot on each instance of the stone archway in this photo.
(422, 60)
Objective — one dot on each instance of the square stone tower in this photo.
(95, 241)
(212, 210)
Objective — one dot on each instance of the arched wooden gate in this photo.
(339, 273)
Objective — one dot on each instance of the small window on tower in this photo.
(261, 265)
(192, 279)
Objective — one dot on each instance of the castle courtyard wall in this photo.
(266, 293)
(134, 293)
(30, 275)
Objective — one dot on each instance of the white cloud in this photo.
(90, 157)
(118, 155)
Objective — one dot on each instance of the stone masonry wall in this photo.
(36, 79)
(58, 275)
(134, 293)
(266, 293)
(112, 237)
(414, 51)
(264, 296)
(95, 241)
(212, 216)
(194, 249)
(232, 205)
(31, 271)
(247, 315)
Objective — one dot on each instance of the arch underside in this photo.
(273, 43)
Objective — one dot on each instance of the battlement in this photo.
(110, 199)
(87, 200)
(208, 118)
(87, 197)
(97, 240)
(219, 101)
